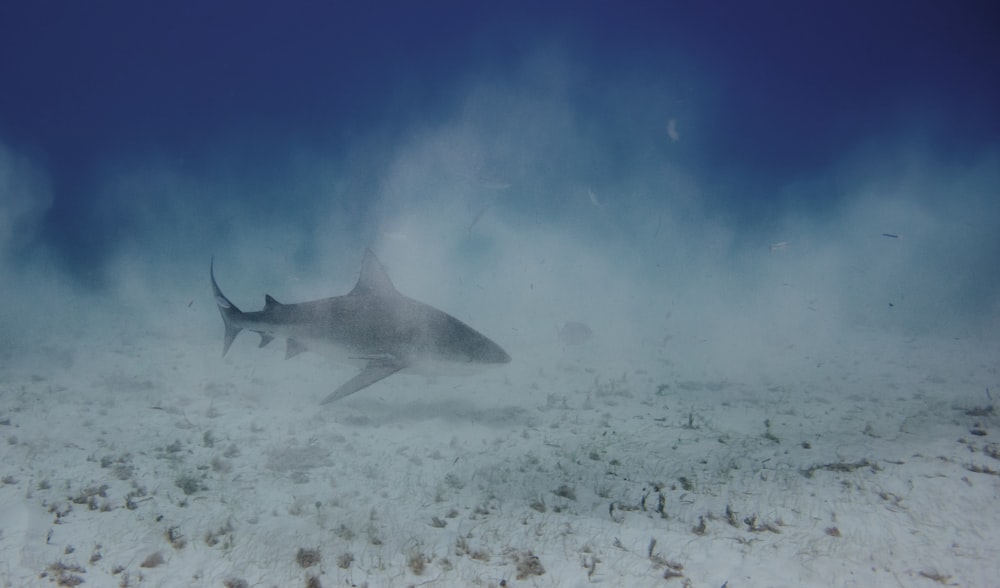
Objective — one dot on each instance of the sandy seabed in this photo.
(134, 456)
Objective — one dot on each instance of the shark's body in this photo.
(374, 324)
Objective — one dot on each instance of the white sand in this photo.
(861, 478)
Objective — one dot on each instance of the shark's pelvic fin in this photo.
(264, 338)
(294, 348)
(375, 370)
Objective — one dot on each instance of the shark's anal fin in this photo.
(294, 348)
(377, 369)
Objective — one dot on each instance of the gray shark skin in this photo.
(374, 324)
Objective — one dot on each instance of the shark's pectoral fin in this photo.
(377, 369)
(264, 338)
(294, 348)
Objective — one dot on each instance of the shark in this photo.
(373, 325)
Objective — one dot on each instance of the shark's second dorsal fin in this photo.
(373, 280)
(270, 302)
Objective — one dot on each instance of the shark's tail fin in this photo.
(227, 309)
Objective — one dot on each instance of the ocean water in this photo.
(744, 261)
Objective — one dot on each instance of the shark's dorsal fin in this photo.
(373, 280)
(270, 302)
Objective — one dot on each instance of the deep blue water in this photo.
(287, 111)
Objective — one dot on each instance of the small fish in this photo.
(672, 130)
(890, 235)
(593, 198)
(778, 246)
(574, 333)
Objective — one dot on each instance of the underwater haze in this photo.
(743, 257)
